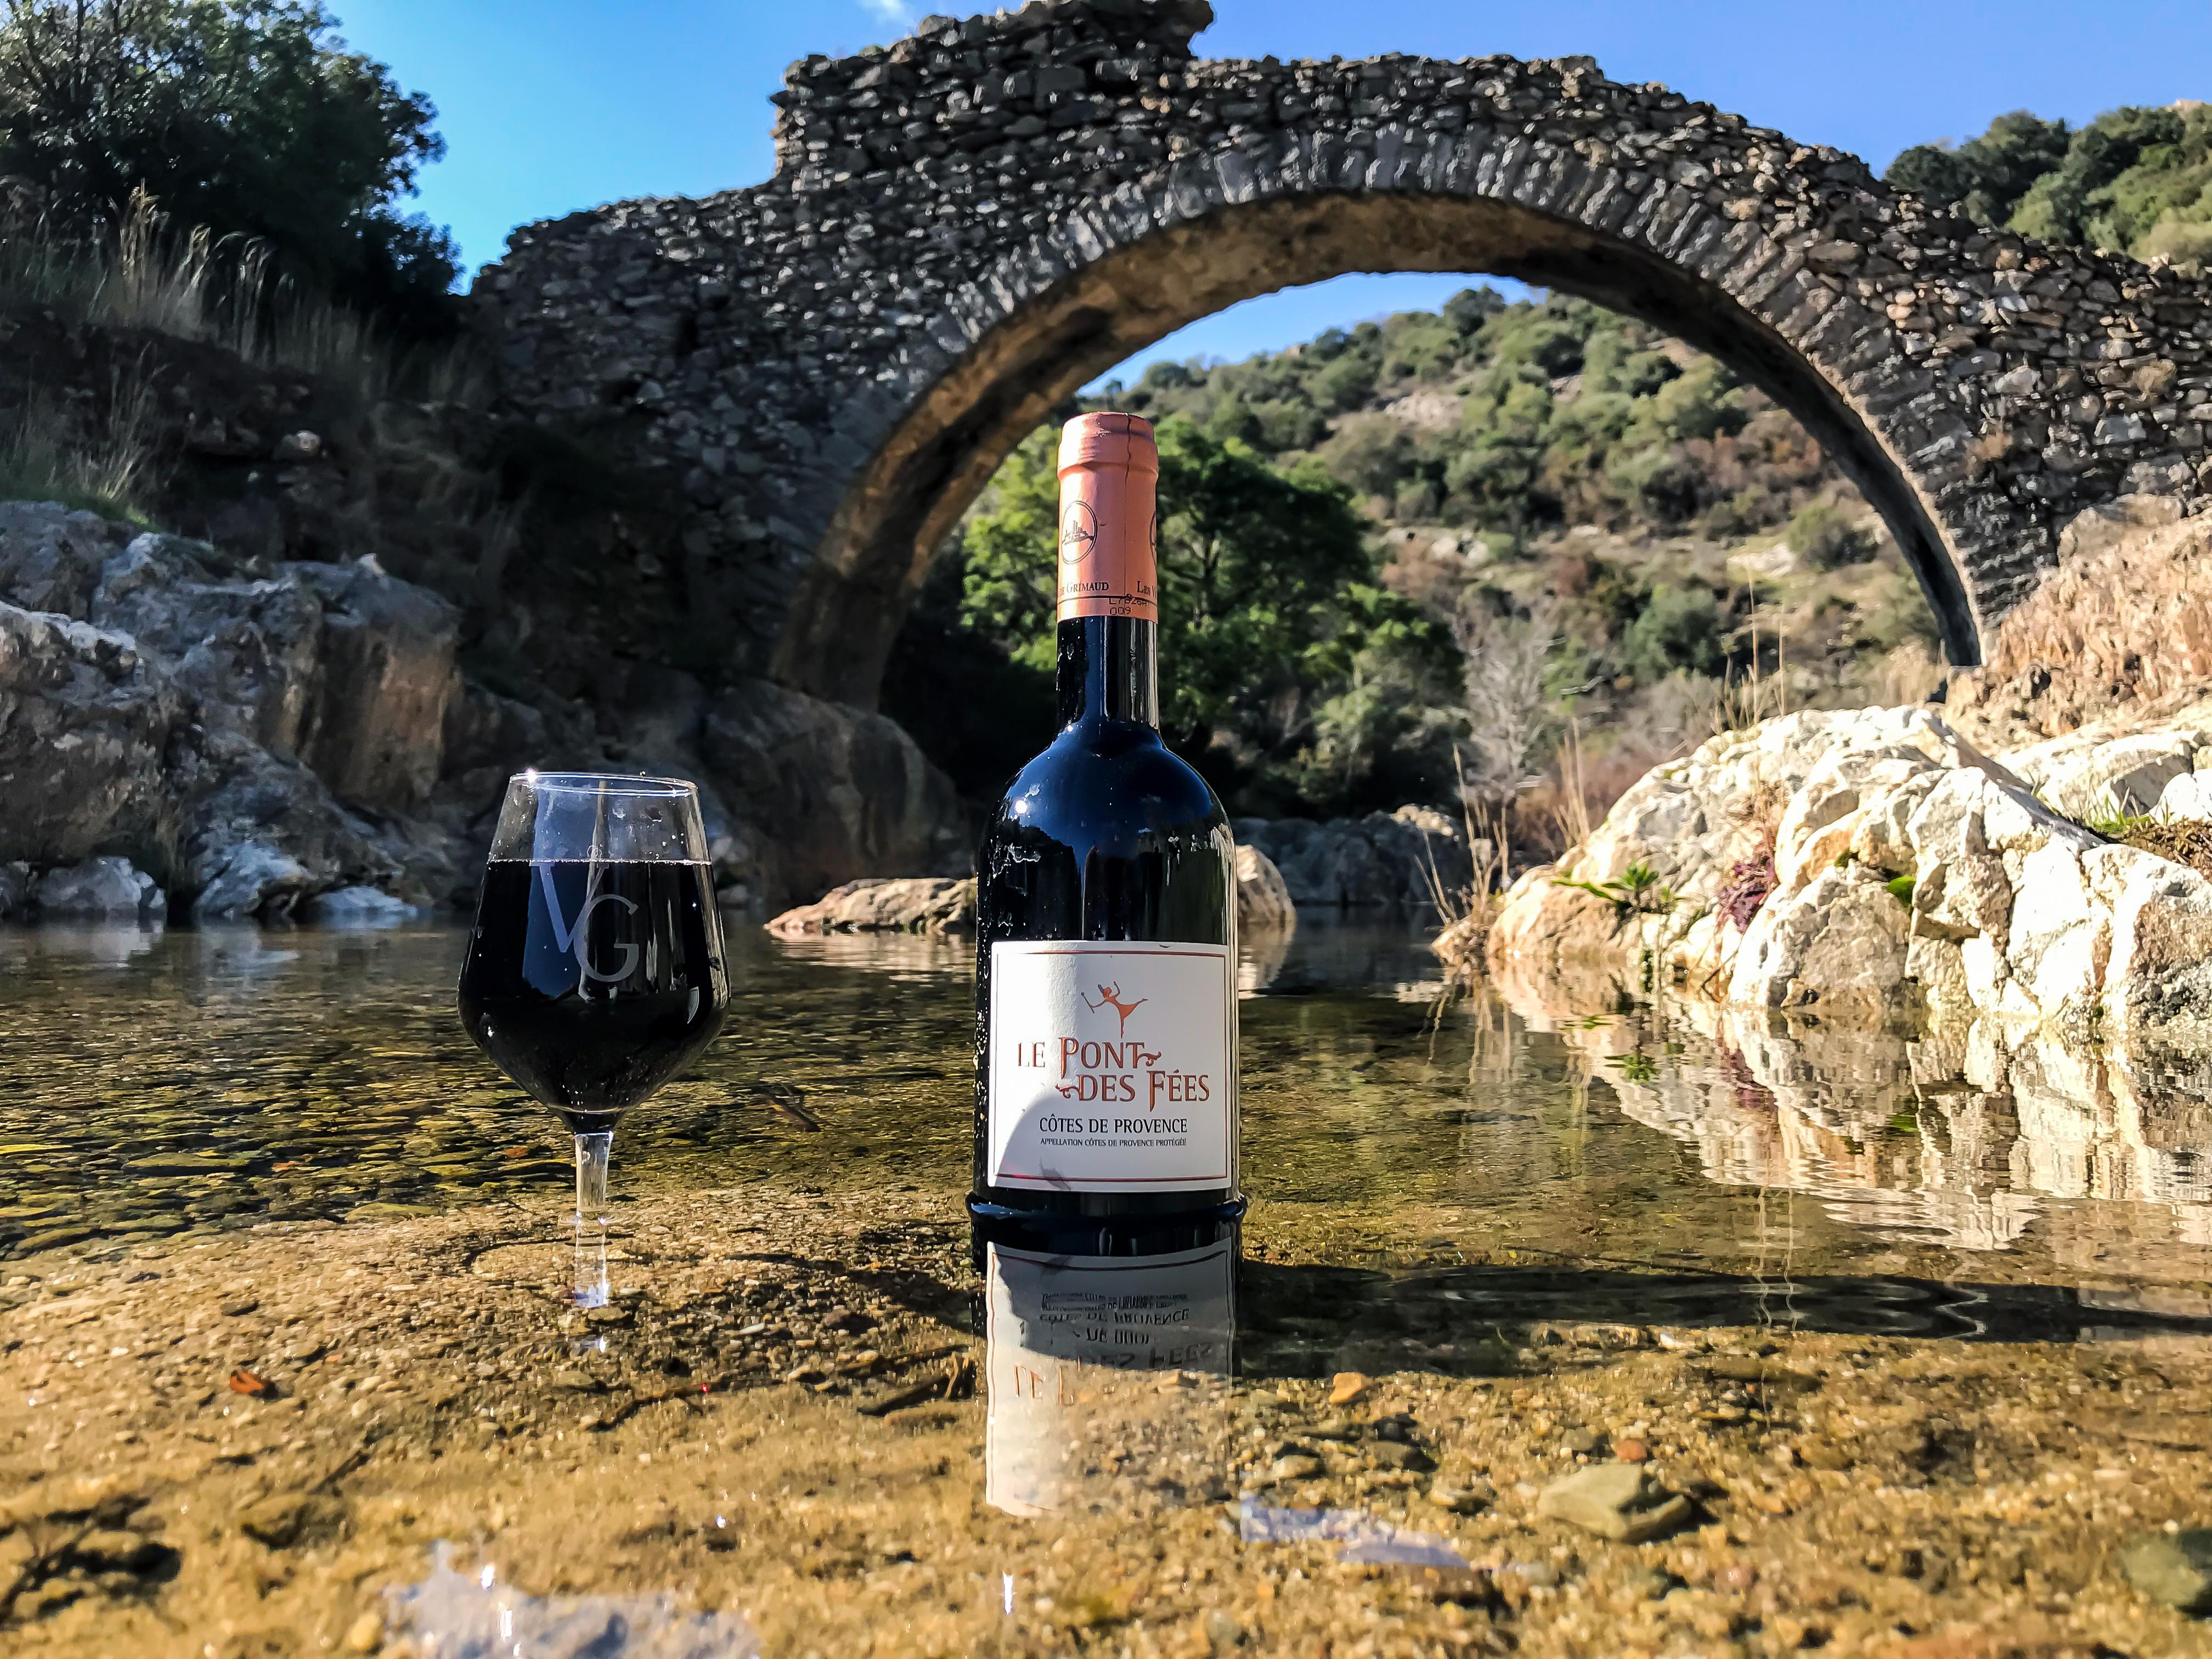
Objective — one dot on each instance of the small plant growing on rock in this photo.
(1635, 1067)
(1637, 891)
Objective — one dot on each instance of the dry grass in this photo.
(46, 456)
(1572, 796)
(193, 286)
(2185, 841)
(1470, 908)
(2126, 619)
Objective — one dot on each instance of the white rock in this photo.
(1839, 944)
(254, 879)
(359, 907)
(2187, 796)
(2016, 913)
(107, 888)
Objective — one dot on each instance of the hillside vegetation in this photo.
(2136, 181)
(1525, 549)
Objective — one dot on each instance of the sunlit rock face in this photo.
(1872, 865)
(253, 735)
(215, 721)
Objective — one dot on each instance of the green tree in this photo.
(1985, 176)
(2063, 205)
(1680, 628)
(248, 116)
(1269, 617)
(2138, 180)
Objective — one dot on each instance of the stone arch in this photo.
(966, 228)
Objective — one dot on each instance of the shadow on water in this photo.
(1309, 1320)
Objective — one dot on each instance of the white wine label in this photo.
(1075, 1347)
(1113, 1065)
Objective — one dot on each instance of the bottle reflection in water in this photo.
(1108, 1378)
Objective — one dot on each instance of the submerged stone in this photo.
(1615, 1500)
(2175, 1568)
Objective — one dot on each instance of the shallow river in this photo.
(1910, 1331)
(158, 1083)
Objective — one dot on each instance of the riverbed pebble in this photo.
(2175, 1568)
(1615, 1500)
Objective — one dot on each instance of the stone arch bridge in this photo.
(965, 228)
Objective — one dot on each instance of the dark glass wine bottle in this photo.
(1106, 1117)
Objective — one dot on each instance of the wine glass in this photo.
(595, 972)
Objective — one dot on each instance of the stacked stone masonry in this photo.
(964, 227)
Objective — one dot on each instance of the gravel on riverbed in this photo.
(235, 1446)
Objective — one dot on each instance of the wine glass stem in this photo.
(592, 1154)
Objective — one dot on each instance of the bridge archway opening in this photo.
(941, 455)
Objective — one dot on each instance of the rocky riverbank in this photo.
(186, 730)
(1872, 864)
(1875, 864)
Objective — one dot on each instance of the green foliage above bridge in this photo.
(2135, 180)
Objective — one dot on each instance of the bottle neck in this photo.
(1108, 671)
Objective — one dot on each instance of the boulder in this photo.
(103, 889)
(828, 793)
(1907, 870)
(51, 556)
(923, 905)
(247, 653)
(387, 679)
(1386, 860)
(359, 907)
(1263, 900)
(85, 723)
(206, 724)
(1688, 825)
(341, 666)
(1839, 947)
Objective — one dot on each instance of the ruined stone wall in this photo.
(964, 227)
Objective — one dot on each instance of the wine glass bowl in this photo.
(595, 972)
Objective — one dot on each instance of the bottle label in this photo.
(1109, 539)
(1075, 1350)
(1112, 1066)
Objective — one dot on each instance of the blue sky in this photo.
(548, 105)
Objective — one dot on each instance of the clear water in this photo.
(156, 1084)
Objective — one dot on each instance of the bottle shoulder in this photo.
(1094, 771)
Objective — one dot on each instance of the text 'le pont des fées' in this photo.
(1108, 1072)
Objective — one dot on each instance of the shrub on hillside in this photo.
(1826, 540)
(1678, 628)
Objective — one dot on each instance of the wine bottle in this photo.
(1106, 1113)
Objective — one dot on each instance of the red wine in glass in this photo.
(595, 973)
